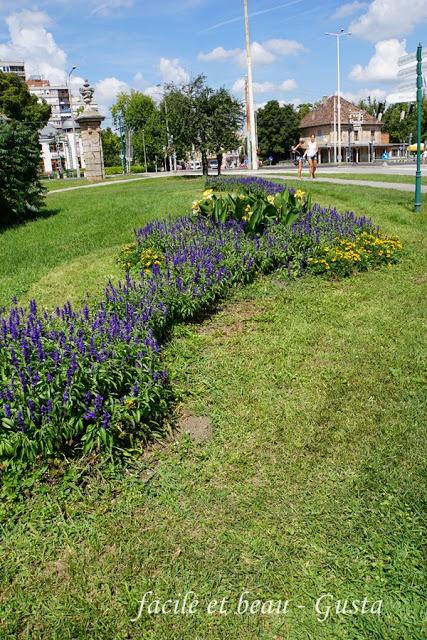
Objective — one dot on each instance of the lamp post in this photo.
(253, 150)
(338, 36)
(73, 121)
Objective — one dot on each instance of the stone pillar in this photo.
(90, 132)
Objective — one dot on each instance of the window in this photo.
(372, 133)
(356, 136)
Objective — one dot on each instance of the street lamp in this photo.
(73, 122)
(338, 36)
(254, 151)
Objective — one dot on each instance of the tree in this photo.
(17, 103)
(277, 130)
(20, 188)
(138, 112)
(303, 109)
(228, 116)
(21, 117)
(204, 119)
(111, 147)
(400, 121)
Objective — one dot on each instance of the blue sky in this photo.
(123, 44)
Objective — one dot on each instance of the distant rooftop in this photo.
(324, 114)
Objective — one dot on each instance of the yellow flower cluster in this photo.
(149, 258)
(248, 213)
(126, 254)
(299, 194)
(366, 250)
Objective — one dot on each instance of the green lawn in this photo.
(72, 248)
(373, 177)
(313, 480)
(56, 183)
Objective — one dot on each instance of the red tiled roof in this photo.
(324, 114)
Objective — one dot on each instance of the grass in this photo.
(372, 177)
(77, 239)
(312, 482)
(57, 183)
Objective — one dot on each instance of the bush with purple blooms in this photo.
(92, 379)
(250, 184)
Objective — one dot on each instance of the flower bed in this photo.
(92, 379)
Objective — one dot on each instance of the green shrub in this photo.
(20, 187)
(256, 208)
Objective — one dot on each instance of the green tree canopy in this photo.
(277, 130)
(111, 147)
(202, 118)
(21, 116)
(17, 103)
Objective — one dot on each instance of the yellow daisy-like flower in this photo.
(299, 193)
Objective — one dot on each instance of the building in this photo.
(56, 96)
(56, 139)
(17, 68)
(361, 137)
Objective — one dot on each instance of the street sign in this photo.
(411, 70)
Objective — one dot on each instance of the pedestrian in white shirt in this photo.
(311, 153)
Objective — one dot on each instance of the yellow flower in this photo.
(270, 199)
(299, 193)
(208, 193)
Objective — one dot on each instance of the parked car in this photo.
(213, 164)
(195, 165)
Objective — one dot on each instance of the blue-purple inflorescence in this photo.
(76, 380)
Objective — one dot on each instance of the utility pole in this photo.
(122, 142)
(145, 153)
(167, 130)
(73, 122)
(419, 113)
(338, 36)
(253, 145)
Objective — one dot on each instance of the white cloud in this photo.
(348, 9)
(156, 92)
(284, 47)
(288, 85)
(389, 19)
(356, 96)
(259, 54)
(171, 71)
(262, 53)
(106, 8)
(219, 53)
(264, 87)
(382, 67)
(106, 92)
(31, 42)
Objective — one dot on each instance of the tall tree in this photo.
(21, 117)
(17, 103)
(228, 116)
(277, 130)
(204, 119)
(138, 112)
(111, 147)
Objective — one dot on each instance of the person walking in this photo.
(299, 151)
(311, 153)
(425, 153)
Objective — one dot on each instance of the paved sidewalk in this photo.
(399, 186)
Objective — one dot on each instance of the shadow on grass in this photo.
(42, 214)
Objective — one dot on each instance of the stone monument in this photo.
(90, 131)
